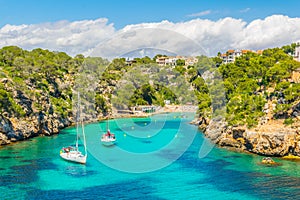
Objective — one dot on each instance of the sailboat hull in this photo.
(108, 143)
(74, 157)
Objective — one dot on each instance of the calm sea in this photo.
(154, 158)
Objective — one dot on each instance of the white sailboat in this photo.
(72, 153)
(108, 138)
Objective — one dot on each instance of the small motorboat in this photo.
(108, 138)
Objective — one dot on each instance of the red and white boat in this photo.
(108, 138)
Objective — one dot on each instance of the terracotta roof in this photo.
(230, 51)
(245, 51)
(259, 51)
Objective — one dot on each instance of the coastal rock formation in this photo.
(268, 139)
(14, 129)
(5, 130)
(215, 130)
(37, 115)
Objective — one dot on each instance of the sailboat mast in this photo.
(82, 126)
(77, 120)
(107, 125)
(84, 141)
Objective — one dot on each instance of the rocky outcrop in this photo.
(41, 120)
(295, 111)
(215, 130)
(13, 129)
(5, 130)
(264, 140)
(23, 101)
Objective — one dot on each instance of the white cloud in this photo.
(227, 33)
(200, 14)
(72, 37)
(190, 37)
(245, 10)
(209, 36)
(276, 30)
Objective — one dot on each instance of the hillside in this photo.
(262, 104)
(37, 87)
(36, 92)
(252, 104)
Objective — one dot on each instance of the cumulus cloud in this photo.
(276, 30)
(230, 33)
(72, 37)
(210, 36)
(197, 36)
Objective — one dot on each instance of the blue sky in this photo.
(75, 26)
(122, 13)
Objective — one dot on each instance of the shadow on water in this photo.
(146, 141)
(256, 184)
(136, 189)
(24, 174)
(78, 171)
(10, 157)
(142, 123)
(232, 156)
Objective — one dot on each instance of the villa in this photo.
(231, 55)
(172, 60)
(297, 54)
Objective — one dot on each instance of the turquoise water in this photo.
(34, 170)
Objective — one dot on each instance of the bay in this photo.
(154, 158)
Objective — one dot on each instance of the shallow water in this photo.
(143, 164)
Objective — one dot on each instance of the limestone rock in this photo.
(215, 129)
(230, 142)
(5, 125)
(3, 139)
(276, 141)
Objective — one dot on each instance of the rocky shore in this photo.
(14, 129)
(271, 139)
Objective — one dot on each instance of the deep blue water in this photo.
(154, 158)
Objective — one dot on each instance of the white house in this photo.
(171, 60)
(297, 54)
(231, 55)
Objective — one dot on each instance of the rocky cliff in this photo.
(271, 139)
(14, 129)
(39, 116)
(36, 91)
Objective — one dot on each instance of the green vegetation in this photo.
(144, 60)
(35, 76)
(156, 94)
(180, 62)
(248, 80)
(40, 80)
(244, 85)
